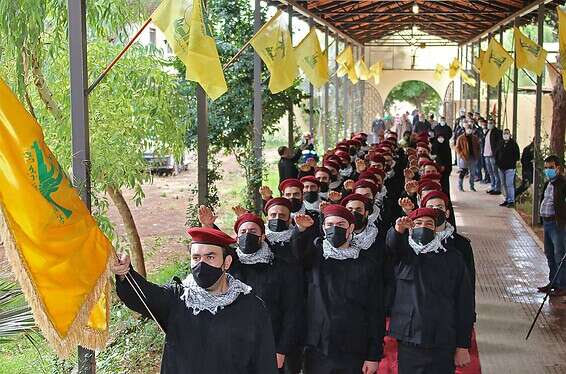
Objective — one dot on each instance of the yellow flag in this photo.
(182, 23)
(312, 60)
(57, 252)
(346, 61)
(495, 63)
(529, 54)
(438, 71)
(362, 70)
(376, 70)
(478, 61)
(562, 40)
(467, 79)
(454, 68)
(273, 44)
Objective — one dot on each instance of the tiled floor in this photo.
(510, 264)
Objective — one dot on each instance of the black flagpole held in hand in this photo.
(546, 296)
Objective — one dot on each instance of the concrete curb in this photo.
(529, 230)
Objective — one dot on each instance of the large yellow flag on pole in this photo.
(495, 63)
(346, 65)
(182, 23)
(376, 70)
(57, 252)
(562, 40)
(362, 70)
(529, 55)
(454, 68)
(467, 79)
(438, 72)
(274, 45)
(478, 62)
(312, 60)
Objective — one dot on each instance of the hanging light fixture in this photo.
(416, 8)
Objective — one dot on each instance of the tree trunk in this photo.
(41, 86)
(558, 130)
(131, 229)
(26, 92)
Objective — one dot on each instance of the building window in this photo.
(169, 50)
(152, 36)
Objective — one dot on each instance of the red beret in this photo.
(336, 210)
(249, 217)
(431, 176)
(277, 201)
(310, 178)
(290, 182)
(341, 148)
(367, 175)
(363, 134)
(387, 143)
(377, 158)
(341, 143)
(322, 169)
(429, 185)
(427, 163)
(435, 195)
(366, 184)
(422, 144)
(344, 156)
(209, 235)
(334, 158)
(354, 197)
(332, 164)
(358, 137)
(376, 171)
(424, 212)
(355, 142)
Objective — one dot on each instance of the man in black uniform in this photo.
(278, 282)
(345, 319)
(433, 311)
(213, 323)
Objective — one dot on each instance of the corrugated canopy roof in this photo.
(456, 20)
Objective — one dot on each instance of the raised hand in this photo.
(239, 210)
(265, 192)
(360, 166)
(406, 204)
(349, 184)
(206, 217)
(305, 167)
(403, 224)
(408, 173)
(334, 196)
(412, 187)
(303, 221)
(323, 204)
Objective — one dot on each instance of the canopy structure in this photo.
(459, 21)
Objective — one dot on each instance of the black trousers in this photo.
(418, 360)
(317, 363)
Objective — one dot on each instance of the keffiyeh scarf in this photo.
(446, 233)
(366, 238)
(279, 236)
(434, 246)
(262, 256)
(312, 206)
(199, 299)
(346, 172)
(328, 251)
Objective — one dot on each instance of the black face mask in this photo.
(336, 235)
(353, 151)
(369, 206)
(296, 204)
(206, 275)
(277, 225)
(344, 166)
(440, 218)
(423, 235)
(359, 220)
(311, 196)
(333, 178)
(249, 243)
(324, 187)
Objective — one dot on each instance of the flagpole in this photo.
(118, 57)
(235, 57)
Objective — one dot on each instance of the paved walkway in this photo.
(510, 264)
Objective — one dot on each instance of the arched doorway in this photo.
(413, 94)
(373, 105)
(448, 104)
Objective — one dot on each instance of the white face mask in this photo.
(469, 131)
(506, 136)
(440, 139)
(490, 126)
(442, 123)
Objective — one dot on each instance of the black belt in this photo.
(549, 219)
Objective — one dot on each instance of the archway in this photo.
(412, 94)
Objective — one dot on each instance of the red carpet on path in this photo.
(389, 363)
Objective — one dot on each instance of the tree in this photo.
(136, 107)
(418, 93)
(558, 129)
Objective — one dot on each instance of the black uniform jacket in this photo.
(280, 285)
(345, 312)
(237, 339)
(434, 301)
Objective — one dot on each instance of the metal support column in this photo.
(336, 91)
(257, 111)
(487, 89)
(538, 125)
(500, 87)
(311, 98)
(290, 112)
(362, 94)
(80, 129)
(515, 93)
(478, 80)
(460, 58)
(202, 145)
(326, 121)
(346, 110)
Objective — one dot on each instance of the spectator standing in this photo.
(441, 149)
(482, 175)
(527, 159)
(553, 215)
(421, 125)
(468, 150)
(506, 157)
(288, 163)
(493, 138)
